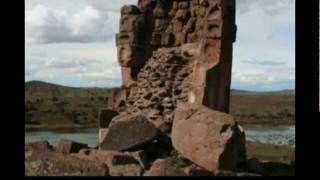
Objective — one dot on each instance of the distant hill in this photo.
(271, 108)
(53, 104)
(285, 91)
(238, 91)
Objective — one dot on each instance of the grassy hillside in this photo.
(49, 104)
(55, 106)
(272, 108)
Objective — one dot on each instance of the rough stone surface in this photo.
(117, 98)
(38, 146)
(164, 167)
(128, 132)
(194, 170)
(119, 163)
(66, 146)
(234, 173)
(161, 84)
(210, 139)
(57, 164)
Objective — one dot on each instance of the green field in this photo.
(54, 106)
(263, 108)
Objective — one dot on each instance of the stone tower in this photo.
(176, 60)
(205, 27)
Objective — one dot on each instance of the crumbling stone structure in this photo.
(207, 26)
(176, 60)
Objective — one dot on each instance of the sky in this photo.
(72, 43)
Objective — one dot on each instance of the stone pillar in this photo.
(130, 42)
(212, 73)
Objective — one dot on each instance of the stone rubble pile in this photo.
(161, 84)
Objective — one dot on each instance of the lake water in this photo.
(278, 136)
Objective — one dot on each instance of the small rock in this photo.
(162, 93)
(158, 83)
(51, 163)
(66, 146)
(183, 5)
(197, 171)
(154, 99)
(167, 100)
(164, 167)
(204, 3)
(177, 91)
(119, 163)
(38, 146)
(168, 105)
(147, 96)
(155, 77)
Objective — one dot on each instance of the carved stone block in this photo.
(130, 55)
(194, 2)
(213, 29)
(182, 14)
(158, 12)
(167, 39)
(160, 25)
(130, 23)
(190, 26)
(180, 38)
(156, 39)
(183, 5)
(130, 9)
(126, 38)
(177, 26)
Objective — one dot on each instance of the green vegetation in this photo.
(268, 152)
(263, 108)
(178, 161)
(276, 160)
(49, 106)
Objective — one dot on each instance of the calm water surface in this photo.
(279, 136)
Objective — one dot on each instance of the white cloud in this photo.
(67, 62)
(264, 53)
(263, 63)
(91, 64)
(113, 6)
(46, 25)
(270, 7)
(72, 43)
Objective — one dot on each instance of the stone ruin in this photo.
(170, 117)
(176, 61)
